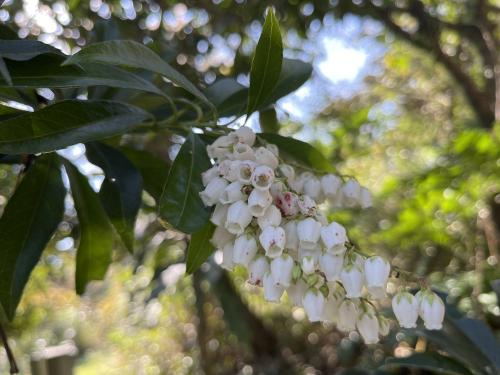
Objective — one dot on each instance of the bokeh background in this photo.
(402, 96)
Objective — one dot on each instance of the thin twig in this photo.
(12, 360)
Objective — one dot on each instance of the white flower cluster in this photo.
(267, 220)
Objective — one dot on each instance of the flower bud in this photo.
(262, 177)
(281, 270)
(244, 135)
(307, 205)
(352, 279)
(308, 264)
(334, 237)
(242, 151)
(209, 175)
(351, 191)
(227, 256)
(246, 168)
(308, 231)
(272, 292)
(257, 269)
(245, 248)
(238, 217)
(221, 237)
(365, 198)
(232, 193)
(272, 240)
(287, 203)
(331, 265)
(265, 157)
(313, 303)
(213, 191)
(229, 169)
(312, 188)
(432, 310)
(377, 272)
(347, 316)
(330, 184)
(259, 201)
(296, 291)
(291, 236)
(220, 214)
(368, 327)
(271, 217)
(405, 307)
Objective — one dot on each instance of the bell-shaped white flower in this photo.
(288, 203)
(232, 193)
(229, 169)
(219, 149)
(245, 171)
(307, 206)
(244, 135)
(272, 292)
(377, 272)
(312, 188)
(432, 310)
(313, 303)
(368, 326)
(227, 256)
(277, 188)
(352, 279)
(281, 270)
(330, 185)
(221, 237)
(287, 171)
(298, 183)
(245, 248)
(209, 175)
(262, 177)
(347, 316)
(242, 151)
(259, 201)
(351, 191)
(332, 303)
(220, 214)
(331, 265)
(213, 191)
(271, 217)
(272, 240)
(273, 148)
(238, 217)
(296, 291)
(308, 231)
(308, 264)
(365, 198)
(405, 307)
(334, 237)
(265, 157)
(257, 269)
(291, 236)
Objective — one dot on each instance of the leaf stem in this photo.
(12, 360)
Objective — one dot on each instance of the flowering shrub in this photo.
(269, 220)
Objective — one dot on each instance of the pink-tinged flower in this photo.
(257, 269)
(287, 203)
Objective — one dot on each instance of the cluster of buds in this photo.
(267, 220)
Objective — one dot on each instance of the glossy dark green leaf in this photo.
(45, 71)
(4, 72)
(199, 248)
(435, 362)
(268, 120)
(180, 203)
(96, 233)
(135, 55)
(7, 33)
(293, 150)
(266, 63)
(24, 49)
(30, 218)
(154, 171)
(121, 189)
(66, 123)
(7, 112)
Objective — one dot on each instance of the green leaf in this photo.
(23, 49)
(45, 71)
(305, 154)
(96, 233)
(121, 189)
(431, 361)
(66, 123)
(180, 203)
(266, 63)
(4, 72)
(135, 55)
(199, 248)
(154, 171)
(27, 224)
